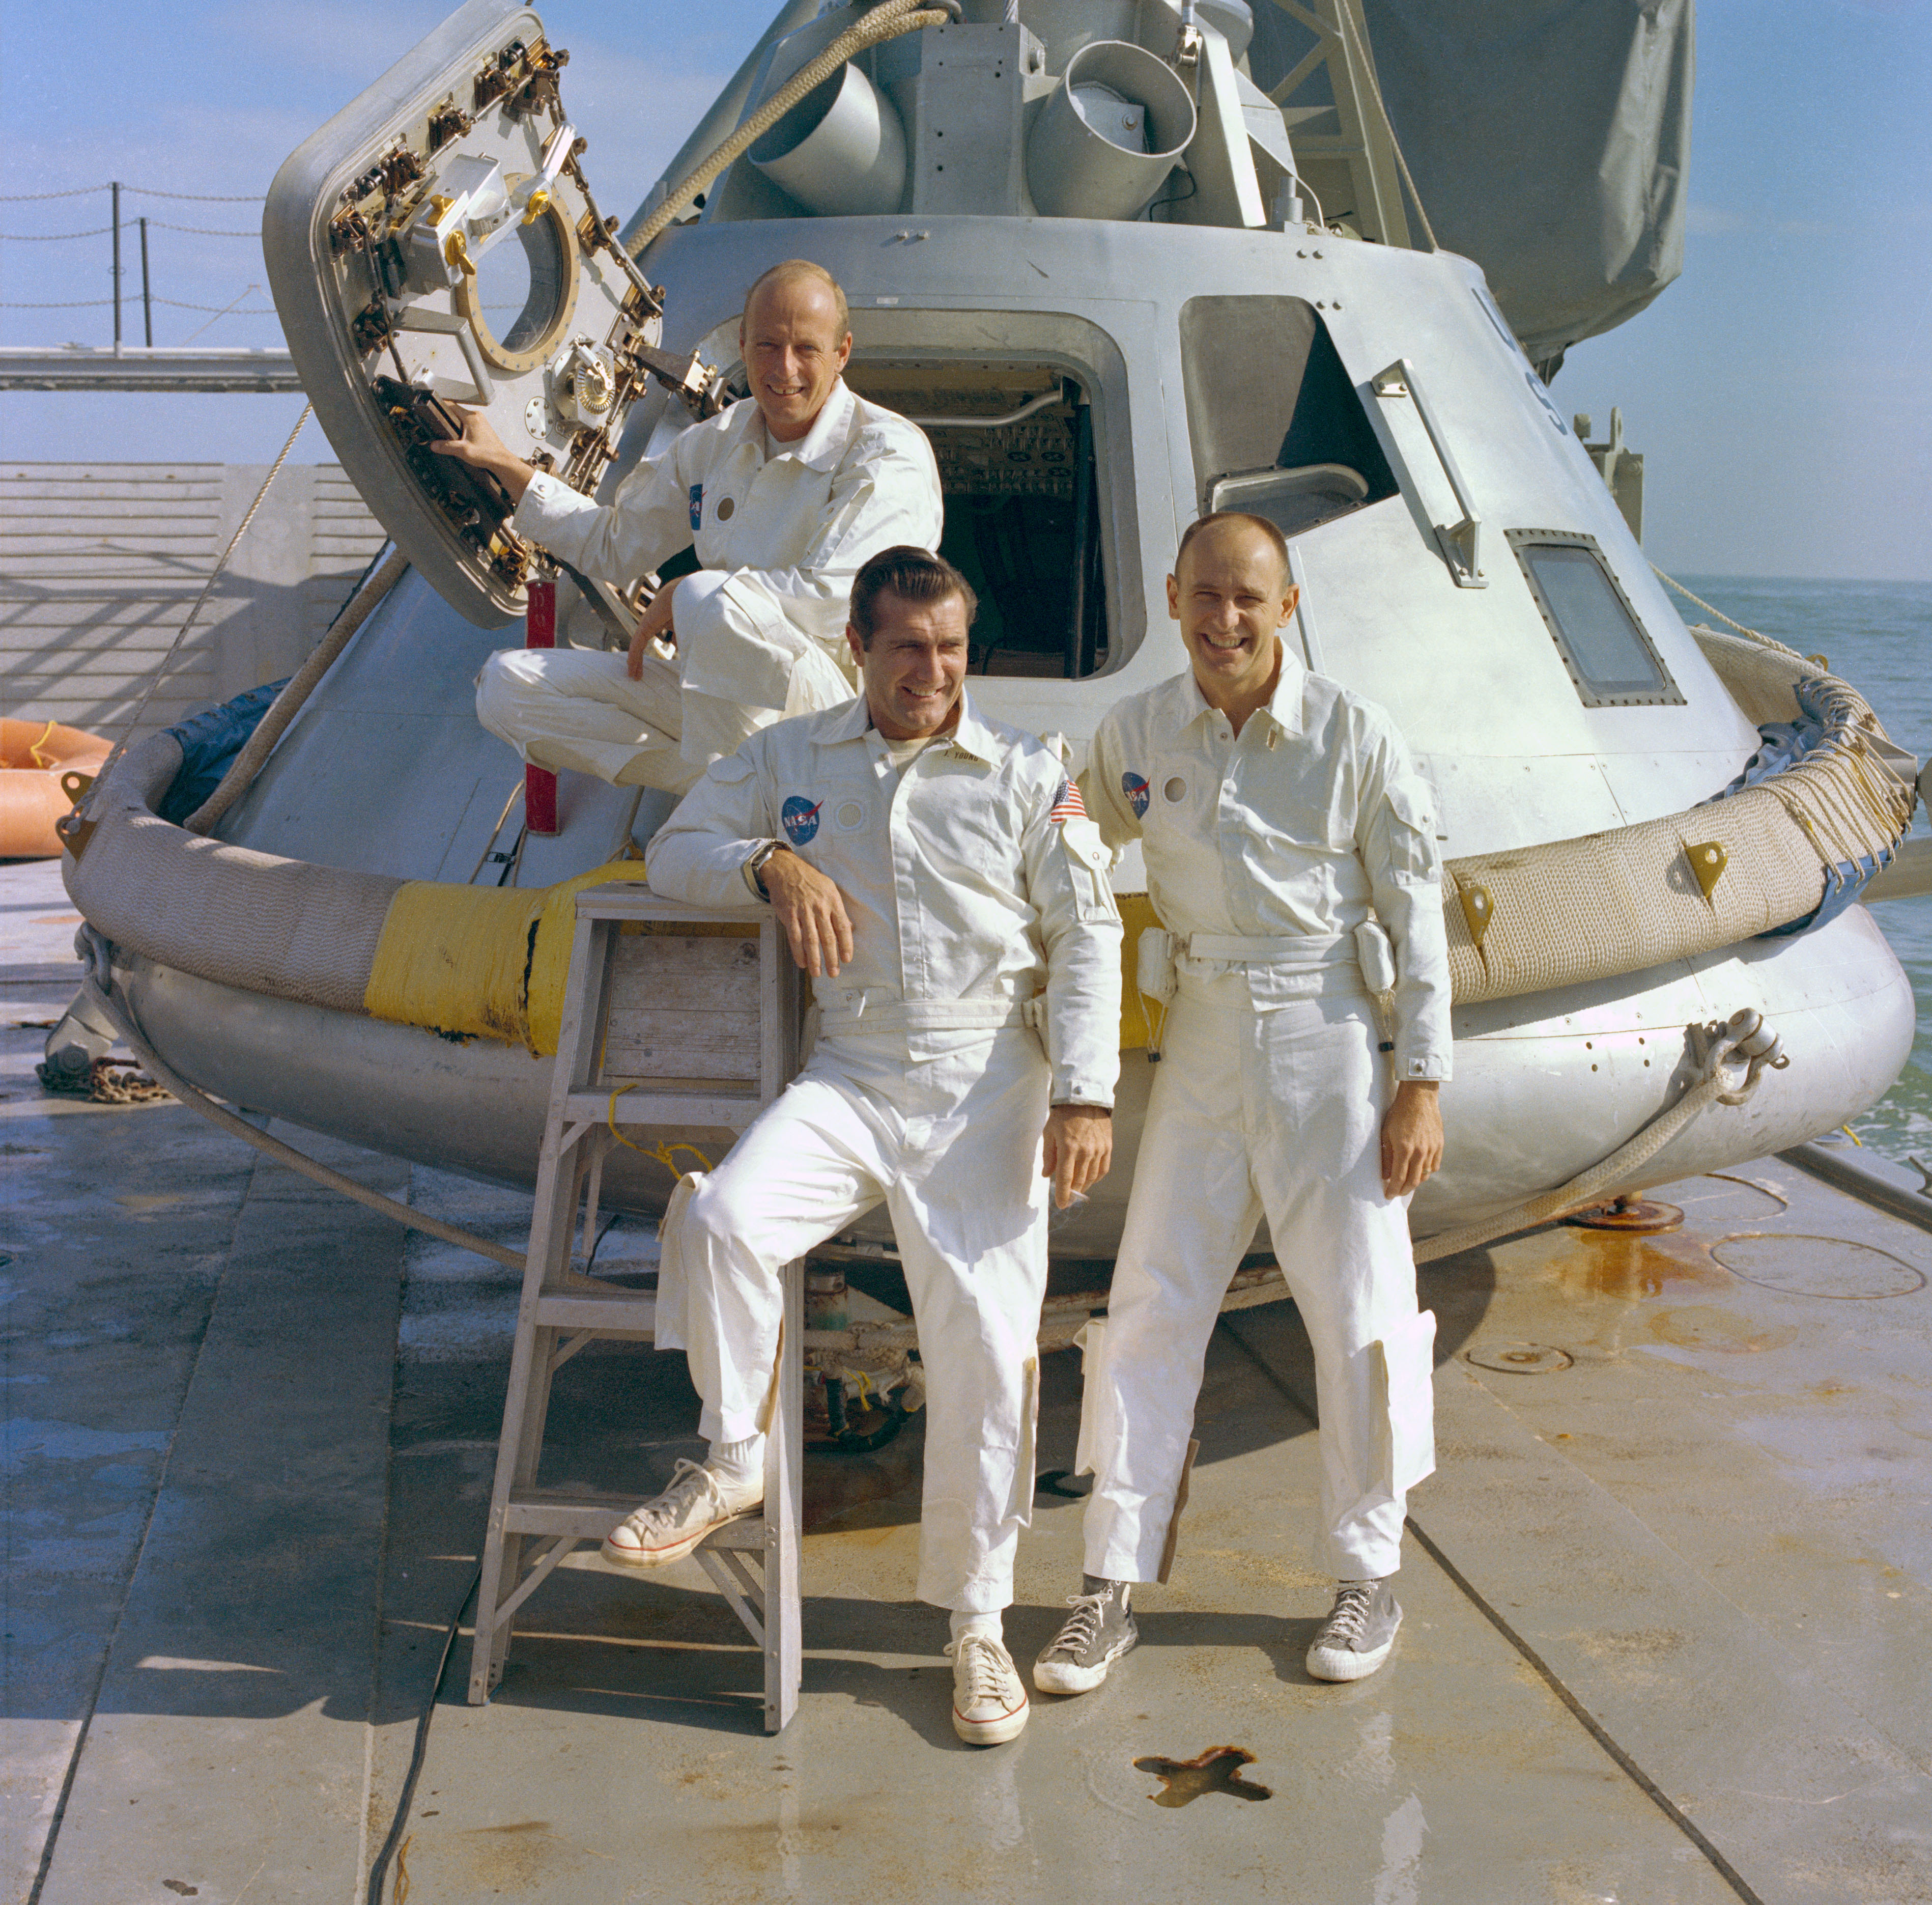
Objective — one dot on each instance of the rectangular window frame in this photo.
(1522, 542)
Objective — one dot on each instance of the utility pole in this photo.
(147, 289)
(117, 264)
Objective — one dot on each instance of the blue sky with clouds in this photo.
(1778, 390)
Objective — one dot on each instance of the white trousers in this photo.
(952, 1147)
(1278, 1112)
(578, 707)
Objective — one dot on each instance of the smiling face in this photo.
(916, 666)
(1231, 592)
(794, 348)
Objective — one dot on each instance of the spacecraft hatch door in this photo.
(436, 245)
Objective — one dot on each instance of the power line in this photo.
(146, 191)
(95, 231)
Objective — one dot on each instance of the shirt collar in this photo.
(852, 721)
(822, 446)
(1283, 708)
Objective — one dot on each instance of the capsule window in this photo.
(1611, 660)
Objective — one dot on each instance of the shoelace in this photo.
(1083, 1624)
(1350, 1620)
(688, 1480)
(987, 1668)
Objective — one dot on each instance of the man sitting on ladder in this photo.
(782, 495)
(937, 877)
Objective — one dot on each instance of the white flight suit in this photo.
(761, 624)
(1272, 846)
(971, 892)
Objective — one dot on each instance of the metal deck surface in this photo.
(1666, 1598)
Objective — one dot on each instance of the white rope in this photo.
(200, 601)
(288, 703)
(163, 1074)
(883, 22)
(1744, 1039)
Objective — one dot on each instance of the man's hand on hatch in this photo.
(812, 912)
(1411, 1138)
(1077, 1149)
(482, 448)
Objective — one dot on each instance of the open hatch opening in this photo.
(1015, 446)
(1277, 427)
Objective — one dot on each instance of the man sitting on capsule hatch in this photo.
(783, 495)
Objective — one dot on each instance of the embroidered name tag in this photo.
(697, 507)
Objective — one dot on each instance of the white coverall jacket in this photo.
(760, 625)
(970, 891)
(1273, 846)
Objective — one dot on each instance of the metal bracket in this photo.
(447, 323)
(1708, 861)
(1461, 542)
(1478, 909)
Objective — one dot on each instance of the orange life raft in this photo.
(34, 755)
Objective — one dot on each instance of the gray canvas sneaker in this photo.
(1094, 1636)
(1355, 1638)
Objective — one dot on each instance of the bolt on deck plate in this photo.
(1519, 1358)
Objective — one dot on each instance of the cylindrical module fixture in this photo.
(840, 151)
(1109, 136)
(540, 632)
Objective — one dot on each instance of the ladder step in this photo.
(634, 1317)
(591, 1517)
(713, 1112)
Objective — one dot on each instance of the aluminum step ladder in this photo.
(684, 1022)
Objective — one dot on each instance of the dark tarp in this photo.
(1549, 139)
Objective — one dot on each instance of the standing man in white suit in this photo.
(1277, 810)
(936, 874)
(782, 495)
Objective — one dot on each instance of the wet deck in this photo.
(1666, 1598)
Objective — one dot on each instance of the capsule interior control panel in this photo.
(437, 246)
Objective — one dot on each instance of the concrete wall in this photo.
(100, 562)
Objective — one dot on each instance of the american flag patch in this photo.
(1067, 805)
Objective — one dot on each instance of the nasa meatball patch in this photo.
(799, 818)
(1135, 788)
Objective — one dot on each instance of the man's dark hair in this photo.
(1269, 529)
(911, 574)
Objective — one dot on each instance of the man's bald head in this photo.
(802, 273)
(1239, 525)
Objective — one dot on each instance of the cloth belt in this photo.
(1271, 948)
(849, 1012)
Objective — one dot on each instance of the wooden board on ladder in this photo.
(679, 1020)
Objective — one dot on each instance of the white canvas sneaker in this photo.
(1355, 1638)
(666, 1528)
(989, 1705)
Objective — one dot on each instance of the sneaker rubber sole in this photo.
(991, 1732)
(1339, 1664)
(673, 1550)
(1065, 1677)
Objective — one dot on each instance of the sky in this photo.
(1779, 390)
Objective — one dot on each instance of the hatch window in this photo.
(1015, 444)
(1613, 661)
(1277, 429)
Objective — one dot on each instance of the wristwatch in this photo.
(754, 868)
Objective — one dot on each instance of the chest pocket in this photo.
(1088, 866)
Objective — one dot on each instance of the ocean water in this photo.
(1877, 636)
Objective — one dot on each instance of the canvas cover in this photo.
(1549, 141)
